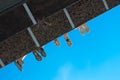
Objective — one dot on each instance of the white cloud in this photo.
(69, 72)
(64, 72)
(108, 70)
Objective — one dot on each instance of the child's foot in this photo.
(57, 42)
(37, 56)
(68, 42)
(41, 50)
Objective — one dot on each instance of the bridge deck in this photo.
(21, 43)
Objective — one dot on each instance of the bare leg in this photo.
(57, 43)
(86, 27)
(19, 63)
(37, 56)
(20, 60)
(81, 30)
(41, 50)
(67, 39)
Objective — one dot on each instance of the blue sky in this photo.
(95, 56)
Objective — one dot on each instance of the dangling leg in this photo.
(41, 50)
(81, 30)
(86, 27)
(67, 39)
(21, 60)
(57, 43)
(37, 56)
(19, 63)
